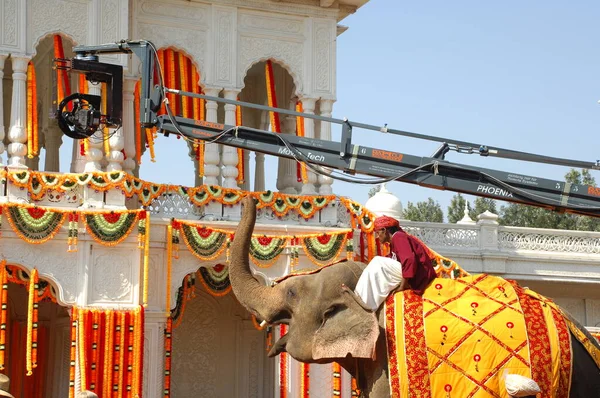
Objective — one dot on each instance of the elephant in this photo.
(327, 323)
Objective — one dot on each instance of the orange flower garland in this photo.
(240, 151)
(31, 349)
(32, 113)
(304, 380)
(169, 267)
(146, 261)
(301, 172)
(4, 310)
(73, 356)
(337, 379)
(109, 337)
(272, 97)
(283, 366)
(168, 348)
(81, 343)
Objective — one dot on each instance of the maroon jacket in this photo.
(416, 264)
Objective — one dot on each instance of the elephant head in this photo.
(325, 321)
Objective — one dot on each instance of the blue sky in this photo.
(512, 74)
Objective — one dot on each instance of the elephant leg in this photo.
(585, 379)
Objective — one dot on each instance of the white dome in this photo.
(384, 203)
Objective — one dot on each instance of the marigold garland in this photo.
(186, 292)
(304, 380)
(240, 151)
(39, 182)
(95, 351)
(215, 280)
(168, 342)
(337, 379)
(266, 250)
(105, 130)
(206, 244)
(146, 262)
(31, 349)
(324, 248)
(120, 367)
(107, 385)
(301, 170)
(283, 366)
(32, 113)
(73, 352)
(110, 228)
(272, 96)
(3, 311)
(34, 224)
(63, 84)
(81, 342)
(169, 267)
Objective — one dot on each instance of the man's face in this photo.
(383, 235)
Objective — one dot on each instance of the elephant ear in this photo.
(349, 330)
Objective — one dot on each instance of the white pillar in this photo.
(2, 132)
(326, 107)
(116, 143)
(308, 105)
(96, 146)
(17, 134)
(211, 151)
(129, 124)
(230, 155)
(286, 173)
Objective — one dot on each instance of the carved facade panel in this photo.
(196, 14)
(9, 14)
(270, 24)
(112, 275)
(71, 17)
(53, 263)
(324, 56)
(290, 54)
(224, 45)
(192, 42)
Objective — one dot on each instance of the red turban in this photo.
(385, 222)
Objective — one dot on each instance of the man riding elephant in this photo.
(408, 265)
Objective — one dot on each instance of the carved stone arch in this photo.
(50, 35)
(287, 62)
(55, 284)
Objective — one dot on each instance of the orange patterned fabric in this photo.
(462, 334)
(596, 335)
(416, 348)
(539, 342)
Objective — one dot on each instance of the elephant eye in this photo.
(331, 311)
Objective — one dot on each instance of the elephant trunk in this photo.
(262, 301)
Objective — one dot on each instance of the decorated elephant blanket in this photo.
(459, 337)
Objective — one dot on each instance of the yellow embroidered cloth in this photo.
(458, 338)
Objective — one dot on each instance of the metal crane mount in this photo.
(328, 157)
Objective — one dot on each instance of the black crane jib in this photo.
(337, 159)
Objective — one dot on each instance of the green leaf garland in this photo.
(324, 248)
(111, 228)
(266, 249)
(35, 224)
(204, 243)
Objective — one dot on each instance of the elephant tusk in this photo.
(263, 324)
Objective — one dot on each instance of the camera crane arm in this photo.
(322, 156)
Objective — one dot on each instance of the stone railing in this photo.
(487, 235)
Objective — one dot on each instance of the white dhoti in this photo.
(380, 277)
